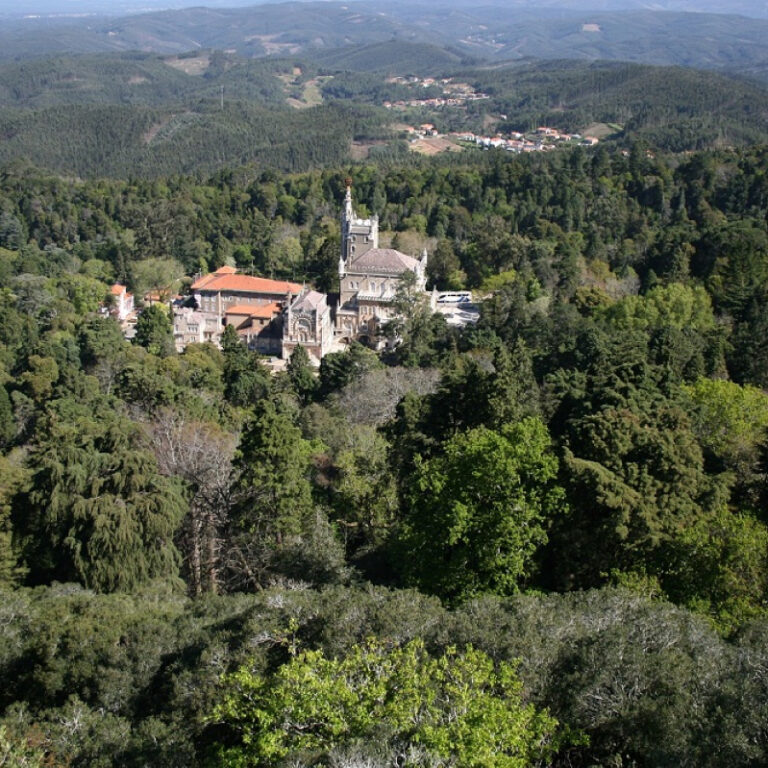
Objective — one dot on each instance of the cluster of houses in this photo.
(274, 316)
(543, 139)
(453, 94)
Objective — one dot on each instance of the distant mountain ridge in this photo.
(54, 8)
(492, 32)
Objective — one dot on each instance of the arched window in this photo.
(302, 330)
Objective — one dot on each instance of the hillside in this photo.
(672, 107)
(705, 41)
(144, 115)
(493, 31)
(121, 141)
(391, 57)
(144, 79)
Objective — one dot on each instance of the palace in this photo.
(369, 276)
(274, 316)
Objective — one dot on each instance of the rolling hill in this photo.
(494, 32)
(123, 141)
(146, 115)
(672, 107)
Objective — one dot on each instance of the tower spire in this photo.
(348, 212)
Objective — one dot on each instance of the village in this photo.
(426, 139)
(452, 94)
(273, 317)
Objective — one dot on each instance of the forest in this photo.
(541, 540)
(143, 115)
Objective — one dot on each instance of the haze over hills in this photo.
(512, 30)
(753, 8)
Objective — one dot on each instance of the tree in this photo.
(373, 397)
(397, 703)
(20, 753)
(99, 337)
(158, 275)
(674, 305)
(338, 369)
(513, 391)
(636, 483)
(411, 326)
(246, 381)
(364, 495)
(444, 268)
(40, 377)
(478, 512)
(7, 427)
(12, 478)
(301, 374)
(731, 423)
(200, 454)
(273, 495)
(96, 511)
(154, 331)
(719, 567)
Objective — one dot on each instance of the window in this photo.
(373, 287)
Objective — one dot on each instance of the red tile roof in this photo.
(245, 284)
(255, 310)
(117, 289)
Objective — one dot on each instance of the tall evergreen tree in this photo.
(154, 331)
(96, 511)
(272, 491)
(301, 374)
(246, 380)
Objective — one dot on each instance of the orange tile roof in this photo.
(255, 310)
(117, 289)
(245, 284)
(225, 270)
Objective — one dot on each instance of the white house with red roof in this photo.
(226, 288)
(123, 306)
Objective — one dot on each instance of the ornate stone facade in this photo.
(307, 322)
(369, 276)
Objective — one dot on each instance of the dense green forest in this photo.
(561, 509)
(140, 115)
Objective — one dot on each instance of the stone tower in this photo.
(357, 235)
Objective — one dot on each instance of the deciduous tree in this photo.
(478, 512)
(399, 703)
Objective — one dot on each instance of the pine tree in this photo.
(154, 331)
(246, 380)
(97, 511)
(273, 464)
(301, 374)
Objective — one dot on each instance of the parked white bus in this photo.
(455, 297)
